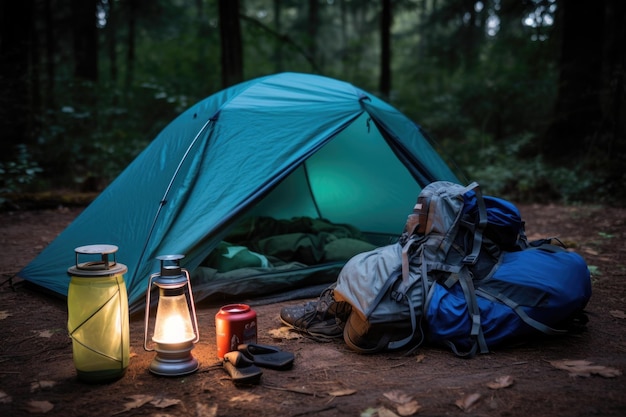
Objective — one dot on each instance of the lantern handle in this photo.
(147, 319)
(193, 307)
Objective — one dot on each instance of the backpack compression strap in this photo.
(466, 282)
(465, 279)
(544, 328)
(471, 258)
(476, 333)
(403, 290)
(520, 312)
(360, 326)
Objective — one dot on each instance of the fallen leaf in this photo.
(594, 270)
(136, 401)
(246, 397)
(164, 402)
(284, 332)
(4, 314)
(468, 401)
(618, 314)
(398, 396)
(300, 389)
(501, 382)
(342, 393)
(205, 410)
(585, 368)
(408, 409)
(5, 398)
(37, 385)
(44, 333)
(39, 407)
(385, 412)
(405, 404)
(370, 412)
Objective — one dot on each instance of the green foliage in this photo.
(85, 144)
(502, 168)
(594, 271)
(485, 93)
(488, 111)
(17, 175)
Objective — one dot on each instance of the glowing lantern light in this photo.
(176, 326)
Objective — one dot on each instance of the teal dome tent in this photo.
(280, 147)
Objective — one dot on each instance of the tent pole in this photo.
(308, 184)
(167, 191)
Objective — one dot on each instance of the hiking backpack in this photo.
(462, 274)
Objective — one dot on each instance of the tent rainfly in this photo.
(278, 148)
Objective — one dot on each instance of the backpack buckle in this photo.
(470, 259)
(397, 296)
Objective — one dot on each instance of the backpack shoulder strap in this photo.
(415, 326)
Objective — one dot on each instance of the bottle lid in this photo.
(104, 266)
(235, 308)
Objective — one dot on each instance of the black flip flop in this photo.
(241, 369)
(267, 356)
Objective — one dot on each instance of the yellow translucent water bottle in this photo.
(98, 323)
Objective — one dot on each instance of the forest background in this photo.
(527, 97)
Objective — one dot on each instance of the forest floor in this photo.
(37, 375)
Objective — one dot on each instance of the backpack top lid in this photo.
(442, 204)
(442, 201)
(505, 226)
(441, 207)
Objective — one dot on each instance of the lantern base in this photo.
(174, 360)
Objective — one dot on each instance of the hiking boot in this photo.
(324, 318)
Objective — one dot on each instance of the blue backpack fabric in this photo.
(531, 288)
(529, 292)
(504, 226)
(463, 275)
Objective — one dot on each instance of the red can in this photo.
(235, 324)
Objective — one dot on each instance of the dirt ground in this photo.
(37, 374)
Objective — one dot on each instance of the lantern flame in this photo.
(173, 322)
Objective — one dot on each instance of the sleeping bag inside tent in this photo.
(265, 187)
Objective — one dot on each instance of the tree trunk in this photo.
(112, 31)
(130, 44)
(312, 26)
(278, 48)
(343, 40)
(385, 49)
(577, 115)
(204, 31)
(34, 74)
(85, 40)
(232, 49)
(615, 87)
(15, 102)
(469, 36)
(50, 53)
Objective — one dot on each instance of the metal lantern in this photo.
(176, 327)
